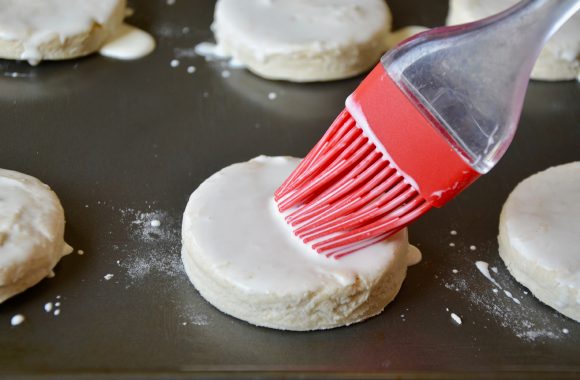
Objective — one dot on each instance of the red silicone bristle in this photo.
(386, 225)
(363, 173)
(354, 218)
(345, 195)
(371, 190)
(313, 163)
(332, 164)
(313, 155)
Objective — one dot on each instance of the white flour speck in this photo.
(167, 30)
(145, 226)
(174, 63)
(17, 319)
(16, 75)
(57, 312)
(524, 320)
(453, 232)
(108, 276)
(199, 320)
(534, 334)
(565, 331)
(80, 252)
(192, 315)
(159, 251)
(226, 74)
(452, 244)
(456, 318)
(455, 271)
(472, 247)
(191, 69)
(494, 269)
(272, 95)
(57, 304)
(170, 2)
(210, 51)
(184, 53)
(48, 307)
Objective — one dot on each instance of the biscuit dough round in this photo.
(539, 237)
(560, 58)
(31, 232)
(244, 259)
(34, 30)
(303, 40)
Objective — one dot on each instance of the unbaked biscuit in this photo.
(34, 30)
(31, 232)
(245, 260)
(303, 40)
(539, 237)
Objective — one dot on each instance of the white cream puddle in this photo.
(128, 42)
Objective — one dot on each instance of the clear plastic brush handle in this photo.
(472, 78)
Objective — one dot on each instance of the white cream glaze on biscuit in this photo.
(35, 30)
(31, 232)
(303, 40)
(244, 259)
(539, 237)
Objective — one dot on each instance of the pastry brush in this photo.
(437, 112)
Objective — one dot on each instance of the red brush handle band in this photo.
(411, 139)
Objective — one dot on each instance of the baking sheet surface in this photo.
(124, 143)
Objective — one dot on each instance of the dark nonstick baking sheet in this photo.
(124, 143)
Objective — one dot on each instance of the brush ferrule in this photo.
(410, 136)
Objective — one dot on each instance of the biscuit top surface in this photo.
(542, 220)
(232, 223)
(274, 26)
(26, 18)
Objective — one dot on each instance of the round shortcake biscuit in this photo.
(31, 232)
(303, 40)
(539, 237)
(35, 30)
(245, 260)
